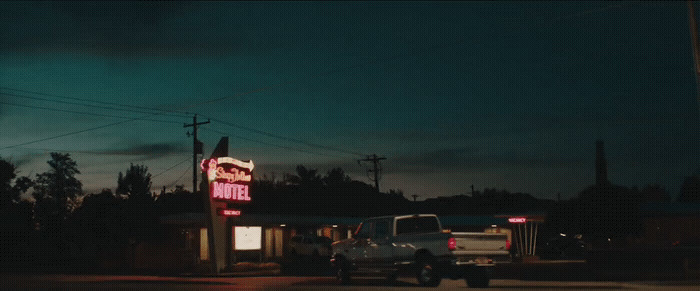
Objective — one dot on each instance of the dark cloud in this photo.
(153, 150)
(468, 159)
(137, 29)
(352, 169)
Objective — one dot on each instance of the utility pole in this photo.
(374, 159)
(696, 47)
(196, 149)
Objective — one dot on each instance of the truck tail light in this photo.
(507, 244)
(452, 244)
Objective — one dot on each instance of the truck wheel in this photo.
(391, 278)
(343, 272)
(427, 275)
(477, 278)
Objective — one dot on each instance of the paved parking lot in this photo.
(105, 282)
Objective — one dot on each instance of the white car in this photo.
(310, 245)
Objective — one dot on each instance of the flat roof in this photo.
(298, 220)
(669, 209)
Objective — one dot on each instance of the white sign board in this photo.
(247, 238)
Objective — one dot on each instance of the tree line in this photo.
(59, 224)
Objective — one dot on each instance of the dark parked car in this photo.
(563, 248)
(310, 245)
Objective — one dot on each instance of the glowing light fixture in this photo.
(517, 219)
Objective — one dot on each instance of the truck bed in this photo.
(478, 245)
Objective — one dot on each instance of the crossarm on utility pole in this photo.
(196, 149)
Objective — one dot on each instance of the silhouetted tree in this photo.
(655, 193)
(335, 178)
(136, 182)
(608, 214)
(55, 191)
(304, 177)
(98, 228)
(178, 201)
(15, 218)
(11, 194)
(7, 173)
(140, 214)
(690, 190)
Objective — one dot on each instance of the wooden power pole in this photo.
(696, 47)
(375, 160)
(196, 149)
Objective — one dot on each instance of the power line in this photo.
(80, 112)
(247, 93)
(175, 113)
(86, 152)
(269, 144)
(285, 138)
(83, 130)
(80, 104)
(69, 133)
(178, 178)
(185, 160)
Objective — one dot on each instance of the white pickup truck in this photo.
(417, 244)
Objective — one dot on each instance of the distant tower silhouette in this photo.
(601, 166)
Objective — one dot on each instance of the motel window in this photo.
(203, 245)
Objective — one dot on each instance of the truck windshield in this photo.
(417, 225)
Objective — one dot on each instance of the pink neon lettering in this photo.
(218, 190)
(234, 176)
(229, 212)
(235, 192)
(239, 190)
(227, 191)
(517, 220)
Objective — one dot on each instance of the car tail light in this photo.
(507, 244)
(452, 244)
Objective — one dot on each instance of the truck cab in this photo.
(391, 245)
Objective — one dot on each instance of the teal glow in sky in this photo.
(507, 95)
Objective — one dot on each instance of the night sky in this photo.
(506, 95)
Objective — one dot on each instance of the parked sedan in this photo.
(310, 245)
(563, 248)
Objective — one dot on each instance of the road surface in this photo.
(106, 282)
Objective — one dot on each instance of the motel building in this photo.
(265, 238)
(215, 240)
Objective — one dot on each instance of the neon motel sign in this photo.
(229, 179)
(228, 212)
(517, 219)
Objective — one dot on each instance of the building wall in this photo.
(672, 230)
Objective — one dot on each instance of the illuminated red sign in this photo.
(228, 212)
(517, 219)
(228, 178)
